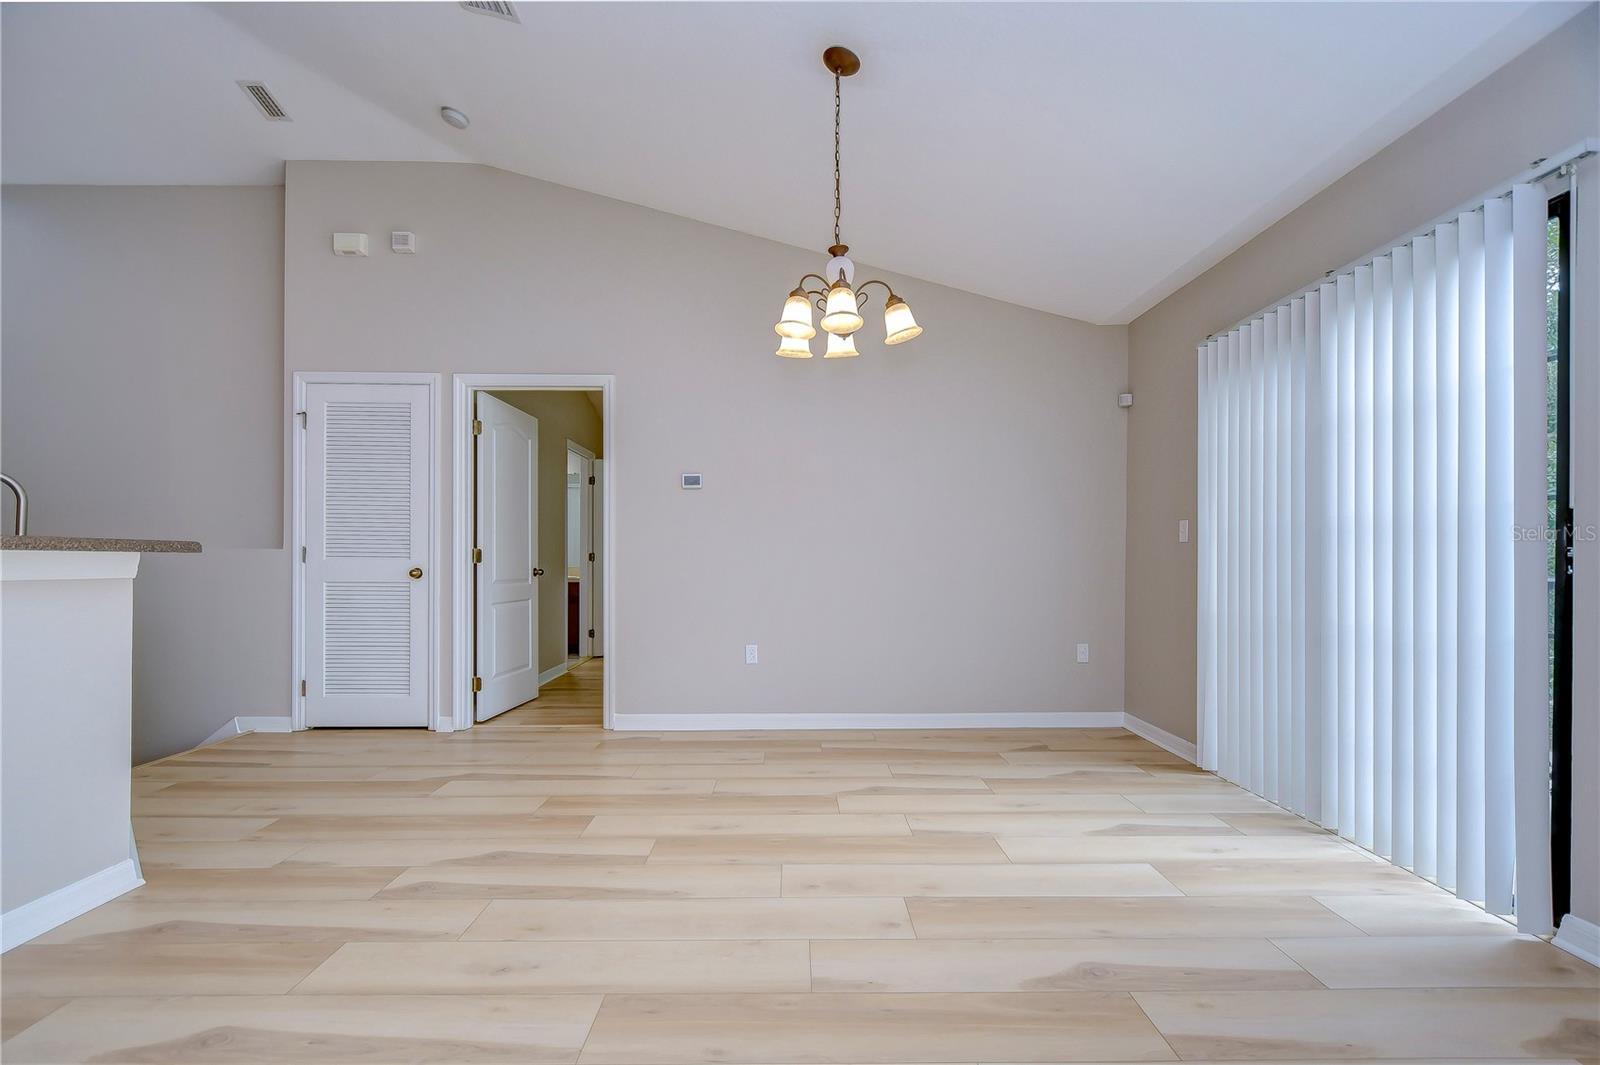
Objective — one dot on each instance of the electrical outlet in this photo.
(1083, 652)
(749, 654)
(1183, 530)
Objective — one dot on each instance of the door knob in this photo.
(416, 573)
(537, 572)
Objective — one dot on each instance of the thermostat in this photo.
(691, 480)
(402, 242)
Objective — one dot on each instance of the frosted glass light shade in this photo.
(841, 346)
(795, 347)
(898, 325)
(796, 320)
(840, 316)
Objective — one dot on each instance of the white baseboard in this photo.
(750, 722)
(552, 673)
(240, 725)
(1579, 938)
(1161, 738)
(35, 918)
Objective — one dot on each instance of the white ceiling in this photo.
(1084, 159)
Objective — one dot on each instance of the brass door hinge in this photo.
(302, 552)
(302, 688)
(591, 478)
(477, 684)
(477, 427)
(591, 634)
(477, 556)
(591, 556)
(302, 416)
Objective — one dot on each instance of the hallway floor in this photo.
(519, 895)
(574, 698)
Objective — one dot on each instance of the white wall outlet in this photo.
(749, 654)
(1183, 530)
(1083, 652)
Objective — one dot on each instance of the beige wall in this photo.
(837, 527)
(1584, 448)
(1538, 104)
(141, 395)
(835, 530)
(562, 416)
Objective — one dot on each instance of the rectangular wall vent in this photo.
(498, 8)
(265, 102)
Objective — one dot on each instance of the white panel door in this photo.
(367, 526)
(507, 577)
(597, 610)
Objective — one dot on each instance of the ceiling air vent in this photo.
(265, 102)
(498, 8)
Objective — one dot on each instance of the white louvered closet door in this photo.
(366, 535)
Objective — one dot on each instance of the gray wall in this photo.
(847, 520)
(562, 416)
(837, 528)
(1540, 103)
(141, 395)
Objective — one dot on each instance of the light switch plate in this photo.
(1083, 652)
(1183, 530)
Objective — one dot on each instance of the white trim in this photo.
(585, 566)
(33, 919)
(748, 722)
(1579, 938)
(18, 565)
(239, 726)
(439, 719)
(1161, 738)
(461, 459)
(557, 670)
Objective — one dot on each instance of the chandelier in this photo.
(840, 303)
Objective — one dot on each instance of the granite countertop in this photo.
(97, 543)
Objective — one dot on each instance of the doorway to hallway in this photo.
(530, 510)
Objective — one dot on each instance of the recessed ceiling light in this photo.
(455, 118)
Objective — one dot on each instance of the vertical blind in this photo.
(1371, 627)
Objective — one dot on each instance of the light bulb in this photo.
(795, 347)
(898, 325)
(841, 346)
(841, 317)
(796, 320)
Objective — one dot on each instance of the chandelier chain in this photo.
(837, 198)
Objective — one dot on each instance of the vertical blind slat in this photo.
(1402, 749)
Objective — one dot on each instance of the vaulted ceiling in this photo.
(1083, 159)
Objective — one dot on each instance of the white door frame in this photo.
(585, 567)
(437, 718)
(461, 529)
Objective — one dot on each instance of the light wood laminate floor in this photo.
(527, 893)
(571, 699)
